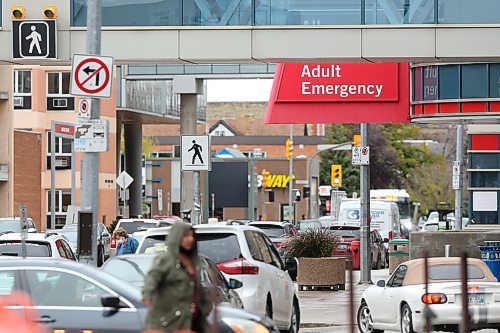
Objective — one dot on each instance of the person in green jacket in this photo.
(172, 289)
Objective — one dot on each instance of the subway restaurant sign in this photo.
(274, 181)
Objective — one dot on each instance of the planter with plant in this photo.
(317, 268)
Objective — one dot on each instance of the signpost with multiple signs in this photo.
(456, 175)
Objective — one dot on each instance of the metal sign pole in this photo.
(196, 198)
(291, 216)
(90, 171)
(23, 216)
(73, 173)
(458, 192)
(52, 175)
(365, 214)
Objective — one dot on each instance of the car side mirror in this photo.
(235, 284)
(110, 301)
(291, 267)
(381, 283)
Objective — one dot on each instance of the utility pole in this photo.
(290, 183)
(459, 191)
(365, 214)
(90, 170)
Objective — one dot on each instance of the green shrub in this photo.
(312, 243)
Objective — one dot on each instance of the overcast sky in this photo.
(244, 90)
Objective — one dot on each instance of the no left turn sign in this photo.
(91, 76)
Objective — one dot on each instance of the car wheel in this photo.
(365, 321)
(406, 321)
(295, 318)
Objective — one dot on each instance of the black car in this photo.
(74, 297)
(133, 269)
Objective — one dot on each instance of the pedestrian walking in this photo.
(172, 289)
(126, 243)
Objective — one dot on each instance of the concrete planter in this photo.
(321, 272)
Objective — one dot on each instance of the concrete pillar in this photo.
(133, 162)
(189, 105)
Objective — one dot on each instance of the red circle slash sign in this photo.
(101, 67)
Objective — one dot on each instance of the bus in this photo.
(402, 199)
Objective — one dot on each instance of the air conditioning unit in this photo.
(19, 102)
(60, 103)
(61, 162)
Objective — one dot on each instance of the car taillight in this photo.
(434, 298)
(238, 266)
(390, 235)
(113, 243)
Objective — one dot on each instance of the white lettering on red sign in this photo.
(65, 129)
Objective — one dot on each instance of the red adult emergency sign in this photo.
(339, 93)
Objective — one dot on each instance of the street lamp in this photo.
(322, 148)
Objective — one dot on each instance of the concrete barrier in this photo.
(434, 242)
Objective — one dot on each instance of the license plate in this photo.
(476, 299)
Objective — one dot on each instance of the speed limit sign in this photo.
(84, 108)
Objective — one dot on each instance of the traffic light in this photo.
(357, 140)
(271, 196)
(289, 149)
(18, 12)
(336, 175)
(265, 176)
(297, 195)
(50, 12)
(306, 191)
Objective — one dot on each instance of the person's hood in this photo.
(175, 234)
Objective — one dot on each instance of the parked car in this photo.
(246, 254)
(74, 297)
(70, 231)
(134, 268)
(278, 232)
(431, 226)
(13, 224)
(304, 225)
(49, 245)
(400, 303)
(352, 232)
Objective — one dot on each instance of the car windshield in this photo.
(272, 231)
(133, 226)
(306, 225)
(346, 232)
(431, 227)
(131, 270)
(453, 272)
(153, 244)
(13, 248)
(10, 225)
(220, 248)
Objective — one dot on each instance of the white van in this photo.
(384, 216)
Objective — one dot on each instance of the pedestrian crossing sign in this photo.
(195, 153)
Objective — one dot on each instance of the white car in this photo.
(431, 226)
(48, 245)
(246, 254)
(399, 304)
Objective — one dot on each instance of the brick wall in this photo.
(27, 176)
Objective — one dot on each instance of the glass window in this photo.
(53, 83)
(399, 12)
(346, 232)
(398, 277)
(484, 161)
(66, 79)
(261, 243)
(7, 282)
(468, 12)
(484, 179)
(453, 272)
(66, 200)
(273, 231)
(474, 81)
(449, 82)
(67, 249)
(222, 247)
(486, 217)
(494, 80)
(22, 82)
(417, 83)
(276, 259)
(131, 270)
(154, 244)
(47, 286)
(253, 245)
(430, 83)
(33, 249)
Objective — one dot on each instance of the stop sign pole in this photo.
(365, 266)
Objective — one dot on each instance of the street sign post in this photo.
(84, 108)
(365, 155)
(356, 155)
(91, 76)
(195, 153)
(456, 175)
(160, 201)
(34, 39)
(91, 136)
(23, 217)
(124, 180)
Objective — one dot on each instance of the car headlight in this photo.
(239, 325)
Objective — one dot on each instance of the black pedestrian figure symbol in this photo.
(197, 151)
